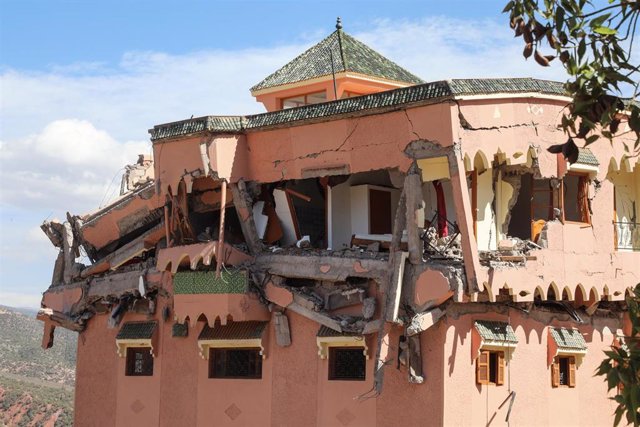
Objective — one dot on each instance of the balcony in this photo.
(627, 236)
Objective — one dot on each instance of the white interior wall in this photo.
(349, 211)
(359, 209)
(340, 216)
(626, 190)
(486, 224)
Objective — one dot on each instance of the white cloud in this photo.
(20, 300)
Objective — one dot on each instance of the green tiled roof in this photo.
(586, 157)
(205, 282)
(568, 339)
(437, 91)
(325, 331)
(510, 85)
(136, 330)
(180, 330)
(496, 331)
(233, 331)
(348, 54)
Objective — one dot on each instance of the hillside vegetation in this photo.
(21, 353)
(36, 385)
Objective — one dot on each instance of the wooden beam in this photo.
(244, 208)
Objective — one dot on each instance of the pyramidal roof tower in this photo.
(338, 67)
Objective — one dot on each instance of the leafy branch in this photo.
(594, 45)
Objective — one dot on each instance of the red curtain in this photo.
(443, 226)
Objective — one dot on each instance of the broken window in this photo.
(563, 371)
(533, 208)
(347, 363)
(575, 198)
(139, 362)
(235, 363)
(490, 367)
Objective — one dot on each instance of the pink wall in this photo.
(537, 403)
(295, 391)
(96, 375)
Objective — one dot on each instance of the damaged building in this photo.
(372, 250)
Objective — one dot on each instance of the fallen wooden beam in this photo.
(244, 209)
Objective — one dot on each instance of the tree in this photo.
(621, 367)
(594, 41)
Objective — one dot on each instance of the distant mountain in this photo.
(36, 385)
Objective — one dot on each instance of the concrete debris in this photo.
(283, 334)
(137, 175)
(368, 308)
(511, 251)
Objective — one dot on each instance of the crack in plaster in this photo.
(464, 123)
(411, 123)
(338, 149)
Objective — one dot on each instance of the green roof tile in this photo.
(496, 331)
(136, 330)
(509, 85)
(568, 339)
(233, 331)
(398, 98)
(586, 157)
(348, 54)
(325, 331)
(205, 282)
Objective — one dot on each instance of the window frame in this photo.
(556, 370)
(484, 362)
(305, 96)
(147, 361)
(583, 180)
(213, 357)
(332, 359)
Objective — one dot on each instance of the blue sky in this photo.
(82, 81)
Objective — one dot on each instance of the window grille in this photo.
(347, 363)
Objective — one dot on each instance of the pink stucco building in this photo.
(373, 250)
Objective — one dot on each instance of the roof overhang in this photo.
(329, 77)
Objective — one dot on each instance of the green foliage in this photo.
(621, 367)
(594, 41)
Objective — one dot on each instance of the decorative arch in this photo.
(480, 161)
(613, 166)
(581, 295)
(468, 167)
(566, 294)
(606, 295)
(625, 164)
(538, 294)
(553, 292)
(594, 295)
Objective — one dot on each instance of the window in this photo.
(490, 367)
(235, 363)
(563, 371)
(300, 100)
(347, 363)
(348, 94)
(575, 198)
(139, 362)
